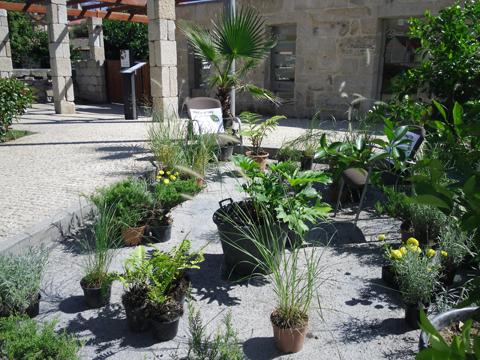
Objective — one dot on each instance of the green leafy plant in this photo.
(99, 253)
(223, 346)
(15, 98)
(256, 129)
(455, 243)
(119, 35)
(20, 278)
(23, 338)
(130, 197)
(288, 152)
(241, 38)
(169, 195)
(458, 349)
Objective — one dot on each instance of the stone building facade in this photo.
(333, 51)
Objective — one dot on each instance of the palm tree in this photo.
(234, 37)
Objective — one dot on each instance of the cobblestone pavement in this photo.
(44, 173)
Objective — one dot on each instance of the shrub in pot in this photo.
(98, 250)
(133, 202)
(288, 152)
(20, 277)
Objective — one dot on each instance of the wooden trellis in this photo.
(125, 10)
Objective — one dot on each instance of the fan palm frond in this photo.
(200, 40)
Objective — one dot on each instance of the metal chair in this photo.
(205, 115)
(358, 179)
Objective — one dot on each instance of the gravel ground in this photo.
(359, 317)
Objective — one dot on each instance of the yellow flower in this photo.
(415, 248)
(381, 237)
(172, 177)
(430, 109)
(168, 172)
(444, 253)
(166, 181)
(396, 254)
(403, 250)
(429, 269)
(431, 252)
(176, 173)
(423, 113)
(412, 241)
(159, 177)
(161, 172)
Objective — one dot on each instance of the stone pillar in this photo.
(5, 54)
(163, 56)
(59, 48)
(95, 39)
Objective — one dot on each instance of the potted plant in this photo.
(133, 202)
(20, 277)
(169, 191)
(295, 287)
(156, 287)
(454, 245)
(267, 215)
(287, 152)
(256, 129)
(98, 254)
(418, 274)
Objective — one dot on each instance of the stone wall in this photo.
(91, 81)
(338, 50)
(39, 79)
(29, 62)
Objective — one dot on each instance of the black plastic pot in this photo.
(225, 153)
(137, 319)
(293, 239)
(95, 298)
(390, 278)
(306, 163)
(164, 331)
(34, 308)
(161, 233)
(445, 319)
(241, 254)
(412, 316)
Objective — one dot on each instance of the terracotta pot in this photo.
(334, 194)
(133, 236)
(260, 159)
(288, 340)
(199, 181)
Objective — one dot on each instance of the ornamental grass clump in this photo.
(455, 244)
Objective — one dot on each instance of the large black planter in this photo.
(390, 278)
(161, 233)
(445, 319)
(137, 319)
(95, 298)
(164, 331)
(241, 253)
(306, 163)
(225, 153)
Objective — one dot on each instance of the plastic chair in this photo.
(358, 179)
(206, 117)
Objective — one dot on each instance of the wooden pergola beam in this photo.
(75, 12)
(123, 8)
(95, 6)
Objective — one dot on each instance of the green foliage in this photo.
(288, 152)
(21, 33)
(157, 273)
(20, 278)
(169, 195)
(24, 339)
(119, 35)
(456, 243)
(256, 129)
(459, 348)
(241, 38)
(131, 199)
(15, 98)
(269, 192)
(223, 346)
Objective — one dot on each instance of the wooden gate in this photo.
(115, 84)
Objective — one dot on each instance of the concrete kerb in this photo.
(49, 231)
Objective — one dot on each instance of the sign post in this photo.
(129, 98)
